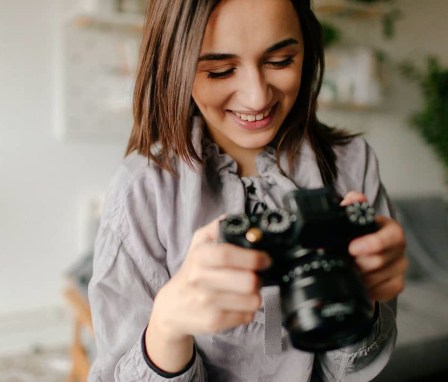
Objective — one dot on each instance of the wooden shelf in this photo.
(129, 23)
(134, 22)
(344, 106)
(349, 8)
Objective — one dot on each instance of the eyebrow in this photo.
(282, 44)
(226, 56)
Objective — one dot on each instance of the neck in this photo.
(246, 160)
(244, 157)
(247, 170)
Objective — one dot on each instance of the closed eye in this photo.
(275, 64)
(218, 75)
(280, 64)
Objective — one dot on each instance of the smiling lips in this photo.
(252, 117)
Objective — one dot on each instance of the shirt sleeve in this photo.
(365, 359)
(126, 277)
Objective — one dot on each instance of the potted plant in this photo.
(432, 119)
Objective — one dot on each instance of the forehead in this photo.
(250, 25)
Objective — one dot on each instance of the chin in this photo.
(255, 143)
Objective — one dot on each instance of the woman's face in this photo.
(248, 74)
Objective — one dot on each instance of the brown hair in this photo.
(163, 104)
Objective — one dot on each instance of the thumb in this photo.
(209, 232)
(353, 197)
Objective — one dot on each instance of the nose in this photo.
(255, 93)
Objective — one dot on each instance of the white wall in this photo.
(45, 183)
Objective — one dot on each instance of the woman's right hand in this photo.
(215, 289)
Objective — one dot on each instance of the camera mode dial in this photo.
(360, 214)
(275, 221)
(237, 224)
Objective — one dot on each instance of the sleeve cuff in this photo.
(159, 371)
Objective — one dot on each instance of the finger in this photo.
(209, 232)
(374, 262)
(375, 278)
(230, 301)
(219, 320)
(224, 255)
(226, 280)
(353, 197)
(241, 303)
(389, 236)
(387, 290)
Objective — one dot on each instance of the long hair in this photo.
(170, 48)
(302, 123)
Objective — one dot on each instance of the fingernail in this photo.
(357, 247)
(267, 261)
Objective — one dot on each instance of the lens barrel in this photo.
(323, 301)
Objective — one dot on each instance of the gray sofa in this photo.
(422, 346)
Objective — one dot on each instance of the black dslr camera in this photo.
(324, 303)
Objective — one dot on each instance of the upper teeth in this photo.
(253, 117)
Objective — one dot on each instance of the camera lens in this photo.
(275, 221)
(323, 302)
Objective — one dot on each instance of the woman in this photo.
(225, 122)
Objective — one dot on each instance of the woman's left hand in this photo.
(380, 256)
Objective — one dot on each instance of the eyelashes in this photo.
(281, 64)
(225, 74)
(272, 64)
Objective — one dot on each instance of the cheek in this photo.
(291, 85)
(208, 96)
(287, 87)
(197, 92)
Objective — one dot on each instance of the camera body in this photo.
(324, 304)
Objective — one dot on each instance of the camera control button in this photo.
(254, 235)
(275, 221)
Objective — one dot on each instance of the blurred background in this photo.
(66, 77)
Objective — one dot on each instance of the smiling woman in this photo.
(168, 74)
(245, 87)
(226, 123)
